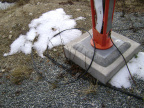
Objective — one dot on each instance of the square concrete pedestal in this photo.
(106, 62)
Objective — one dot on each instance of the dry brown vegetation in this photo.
(14, 21)
(130, 6)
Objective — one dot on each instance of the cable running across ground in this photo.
(86, 71)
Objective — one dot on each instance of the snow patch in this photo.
(136, 66)
(16, 45)
(5, 5)
(44, 28)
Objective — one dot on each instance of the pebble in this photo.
(3, 70)
(54, 50)
(31, 14)
(78, 9)
(10, 36)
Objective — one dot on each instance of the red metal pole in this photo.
(93, 13)
(102, 40)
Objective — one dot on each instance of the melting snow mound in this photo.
(136, 66)
(44, 28)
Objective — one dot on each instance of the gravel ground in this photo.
(38, 93)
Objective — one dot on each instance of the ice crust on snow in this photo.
(136, 66)
(44, 28)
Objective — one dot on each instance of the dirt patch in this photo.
(130, 6)
(14, 21)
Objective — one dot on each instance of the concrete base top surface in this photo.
(102, 57)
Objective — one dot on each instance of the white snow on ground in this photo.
(44, 28)
(136, 66)
(5, 5)
(51, 23)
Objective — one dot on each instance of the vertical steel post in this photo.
(102, 37)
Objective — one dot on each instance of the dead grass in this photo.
(130, 6)
(92, 89)
(20, 73)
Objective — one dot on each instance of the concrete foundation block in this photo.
(106, 62)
